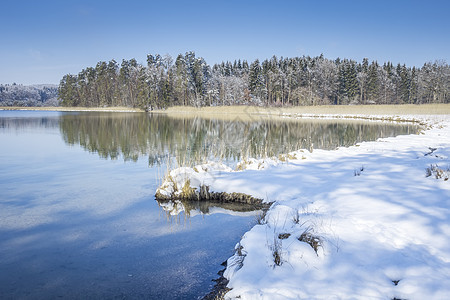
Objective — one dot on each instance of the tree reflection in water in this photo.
(187, 141)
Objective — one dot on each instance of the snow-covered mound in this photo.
(189, 183)
(183, 182)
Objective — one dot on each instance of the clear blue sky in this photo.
(40, 41)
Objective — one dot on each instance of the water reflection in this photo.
(193, 140)
(189, 141)
(76, 226)
(187, 209)
(26, 120)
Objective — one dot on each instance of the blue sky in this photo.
(43, 40)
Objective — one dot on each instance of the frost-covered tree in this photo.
(276, 81)
(256, 81)
(28, 95)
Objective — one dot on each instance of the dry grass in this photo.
(438, 172)
(277, 249)
(261, 218)
(406, 109)
(250, 112)
(314, 241)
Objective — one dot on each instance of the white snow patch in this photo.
(195, 177)
(383, 226)
(388, 224)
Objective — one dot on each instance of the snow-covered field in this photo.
(380, 225)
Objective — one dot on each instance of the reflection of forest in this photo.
(28, 122)
(193, 140)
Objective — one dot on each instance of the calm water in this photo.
(77, 214)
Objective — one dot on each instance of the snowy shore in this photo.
(371, 221)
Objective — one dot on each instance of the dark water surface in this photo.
(77, 214)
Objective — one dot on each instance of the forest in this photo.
(190, 81)
(28, 95)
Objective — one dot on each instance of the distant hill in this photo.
(29, 95)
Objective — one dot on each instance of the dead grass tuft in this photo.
(358, 171)
(187, 192)
(287, 157)
(314, 241)
(283, 236)
(437, 172)
(276, 249)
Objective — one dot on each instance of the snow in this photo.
(197, 176)
(382, 225)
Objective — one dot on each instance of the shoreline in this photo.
(303, 111)
(365, 179)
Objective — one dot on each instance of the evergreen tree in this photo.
(362, 77)
(404, 84)
(68, 91)
(255, 80)
(348, 82)
(413, 90)
(373, 83)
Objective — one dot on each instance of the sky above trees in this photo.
(41, 41)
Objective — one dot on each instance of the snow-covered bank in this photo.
(380, 227)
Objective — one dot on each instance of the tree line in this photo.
(189, 80)
(28, 95)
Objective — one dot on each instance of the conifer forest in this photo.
(190, 81)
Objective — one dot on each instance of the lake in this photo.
(78, 217)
